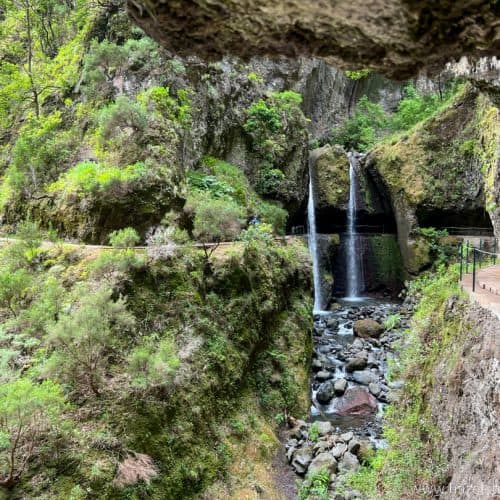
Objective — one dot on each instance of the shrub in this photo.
(153, 363)
(28, 411)
(14, 286)
(316, 487)
(363, 129)
(100, 66)
(274, 215)
(161, 243)
(40, 152)
(122, 114)
(217, 220)
(124, 238)
(85, 338)
(88, 177)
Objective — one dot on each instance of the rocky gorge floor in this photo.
(350, 387)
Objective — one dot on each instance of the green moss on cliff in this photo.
(332, 176)
(239, 334)
(413, 464)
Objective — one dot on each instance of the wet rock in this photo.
(326, 391)
(332, 323)
(356, 401)
(323, 427)
(349, 462)
(338, 450)
(396, 384)
(340, 386)
(358, 344)
(354, 446)
(346, 437)
(323, 375)
(316, 364)
(323, 461)
(374, 388)
(364, 378)
(355, 364)
(368, 328)
(301, 460)
(365, 451)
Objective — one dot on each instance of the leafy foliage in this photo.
(82, 351)
(370, 123)
(124, 238)
(28, 411)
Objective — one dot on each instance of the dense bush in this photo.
(89, 177)
(218, 220)
(124, 114)
(370, 123)
(124, 238)
(28, 412)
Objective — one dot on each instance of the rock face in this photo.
(356, 401)
(395, 37)
(367, 328)
(445, 174)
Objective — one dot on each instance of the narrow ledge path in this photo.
(487, 290)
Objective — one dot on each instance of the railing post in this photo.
(494, 250)
(473, 269)
(467, 257)
(461, 259)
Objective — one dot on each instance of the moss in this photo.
(332, 177)
(413, 463)
(429, 166)
(387, 260)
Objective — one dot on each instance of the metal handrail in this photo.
(476, 259)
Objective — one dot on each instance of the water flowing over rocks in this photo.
(350, 388)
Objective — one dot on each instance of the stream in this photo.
(349, 387)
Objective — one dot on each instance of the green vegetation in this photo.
(412, 464)
(270, 124)
(29, 414)
(370, 124)
(124, 238)
(358, 74)
(316, 487)
(154, 357)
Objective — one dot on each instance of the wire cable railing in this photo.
(477, 258)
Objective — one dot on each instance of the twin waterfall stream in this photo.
(352, 254)
(351, 348)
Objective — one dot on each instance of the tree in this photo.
(124, 238)
(217, 220)
(85, 338)
(13, 288)
(28, 411)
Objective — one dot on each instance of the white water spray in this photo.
(313, 245)
(352, 237)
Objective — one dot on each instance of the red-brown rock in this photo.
(356, 402)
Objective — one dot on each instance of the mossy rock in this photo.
(331, 170)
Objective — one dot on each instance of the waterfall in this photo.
(353, 282)
(313, 245)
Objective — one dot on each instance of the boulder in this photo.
(301, 460)
(356, 401)
(354, 364)
(339, 450)
(368, 328)
(349, 462)
(326, 391)
(346, 437)
(340, 386)
(365, 377)
(323, 375)
(323, 461)
(374, 388)
(323, 427)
